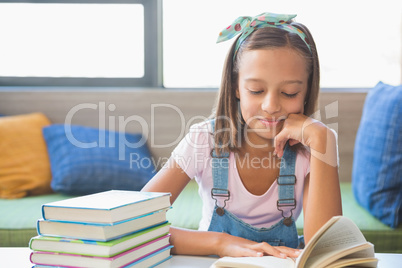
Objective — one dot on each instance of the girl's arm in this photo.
(171, 178)
(322, 197)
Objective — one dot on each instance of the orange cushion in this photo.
(24, 161)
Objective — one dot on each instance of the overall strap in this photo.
(220, 174)
(286, 183)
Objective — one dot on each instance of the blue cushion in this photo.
(88, 160)
(377, 165)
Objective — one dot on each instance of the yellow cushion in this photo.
(24, 161)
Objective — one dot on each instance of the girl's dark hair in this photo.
(228, 122)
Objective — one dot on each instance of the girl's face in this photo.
(272, 85)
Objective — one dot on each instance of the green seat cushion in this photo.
(384, 238)
(186, 210)
(19, 217)
(354, 211)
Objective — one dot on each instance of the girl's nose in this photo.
(271, 103)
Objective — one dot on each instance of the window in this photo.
(125, 42)
(359, 42)
(96, 43)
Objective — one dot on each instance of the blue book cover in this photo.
(106, 207)
(100, 231)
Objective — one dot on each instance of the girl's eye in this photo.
(290, 95)
(255, 92)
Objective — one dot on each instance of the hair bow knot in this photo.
(246, 25)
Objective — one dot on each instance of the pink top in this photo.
(193, 156)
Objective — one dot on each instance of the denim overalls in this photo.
(283, 233)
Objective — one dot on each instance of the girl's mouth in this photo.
(270, 122)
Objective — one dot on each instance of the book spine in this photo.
(30, 257)
(43, 212)
(38, 265)
(156, 264)
(149, 255)
(38, 227)
(31, 241)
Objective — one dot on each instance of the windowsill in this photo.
(128, 89)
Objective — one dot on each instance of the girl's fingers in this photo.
(246, 252)
(292, 131)
(293, 142)
(270, 250)
(291, 252)
(251, 253)
(281, 252)
(240, 247)
(280, 141)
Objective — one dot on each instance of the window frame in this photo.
(152, 53)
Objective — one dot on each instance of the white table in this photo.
(19, 258)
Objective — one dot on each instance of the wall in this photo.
(167, 114)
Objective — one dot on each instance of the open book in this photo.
(338, 243)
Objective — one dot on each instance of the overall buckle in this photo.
(286, 202)
(217, 192)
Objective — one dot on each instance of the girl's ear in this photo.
(237, 94)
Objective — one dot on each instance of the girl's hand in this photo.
(298, 128)
(239, 247)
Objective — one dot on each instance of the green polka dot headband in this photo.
(246, 25)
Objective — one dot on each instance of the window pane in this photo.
(72, 40)
(358, 42)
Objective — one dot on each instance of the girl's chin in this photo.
(268, 129)
(263, 133)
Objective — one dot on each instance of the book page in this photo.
(324, 259)
(362, 258)
(253, 262)
(364, 253)
(355, 262)
(336, 242)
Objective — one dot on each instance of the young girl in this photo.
(261, 159)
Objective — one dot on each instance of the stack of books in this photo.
(107, 229)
